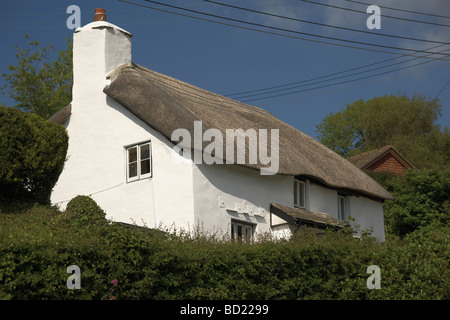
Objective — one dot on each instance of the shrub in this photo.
(421, 199)
(33, 152)
(83, 210)
(35, 251)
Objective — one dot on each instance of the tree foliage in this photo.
(342, 132)
(421, 199)
(407, 123)
(33, 151)
(35, 83)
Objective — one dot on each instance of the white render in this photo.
(226, 192)
(179, 195)
(368, 214)
(99, 130)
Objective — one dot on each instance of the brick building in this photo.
(385, 159)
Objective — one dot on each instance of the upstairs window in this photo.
(139, 162)
(299, 194)
(341, 208)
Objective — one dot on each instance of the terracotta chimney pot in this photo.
(99, 15)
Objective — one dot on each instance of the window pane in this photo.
(132, 155)
(248, 234)
(132, 170)
(295, 193)
(299, 194)
(302, 194)
(145, 151)
(341, 208)
(145, 166)
(239, 233)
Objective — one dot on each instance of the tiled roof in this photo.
(363, 160)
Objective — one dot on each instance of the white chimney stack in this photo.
(98, 48)
(95, 125)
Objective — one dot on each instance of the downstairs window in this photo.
(241, 231)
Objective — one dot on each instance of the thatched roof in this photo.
(167, 104)
(298, 216)
(61, 115)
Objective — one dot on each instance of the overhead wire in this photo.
(354, 85)
(401, 10)
(292, 85)
(384, 15)
(337, 83)
(439, 93)
(286, 30)
(322, 24)
(313, 40)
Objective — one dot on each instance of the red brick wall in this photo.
(387, 164)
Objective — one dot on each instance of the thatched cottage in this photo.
(121, 123)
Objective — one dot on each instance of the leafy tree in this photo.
(33, 151)
(421, 200)
(342, 131)
(407, 123)
(35, 83)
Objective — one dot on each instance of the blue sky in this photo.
(228, 60)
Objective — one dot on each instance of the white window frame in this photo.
(299, 193)
(139, 175)
(246, 234)
(342, 207)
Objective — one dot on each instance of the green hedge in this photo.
(37, 246)
(33, 151)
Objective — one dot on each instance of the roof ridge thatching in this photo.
(189, 89)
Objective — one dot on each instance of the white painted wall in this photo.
(368, 214)
(225, 192)
(100, 128)
(322, 200)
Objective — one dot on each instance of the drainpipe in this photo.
(154, 202)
